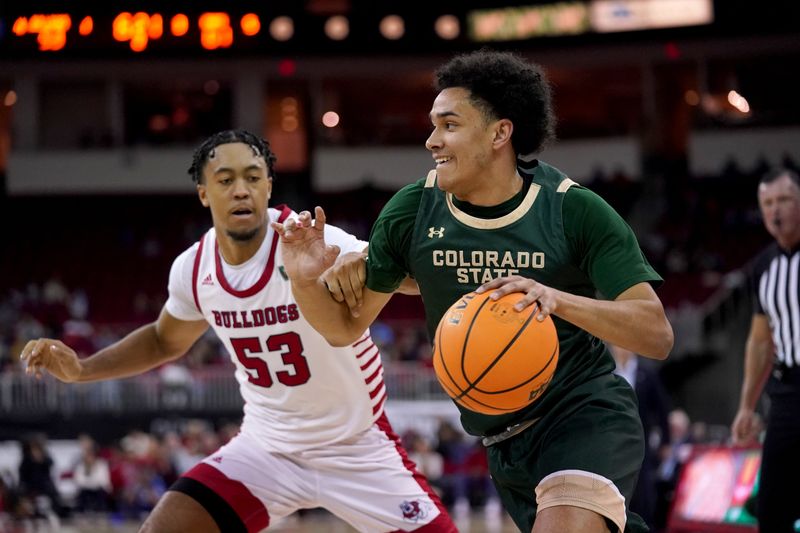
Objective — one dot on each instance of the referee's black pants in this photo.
(778, 509)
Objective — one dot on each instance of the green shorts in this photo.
(586, 452)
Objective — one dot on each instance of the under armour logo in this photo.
(433, 232)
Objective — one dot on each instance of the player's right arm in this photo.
(149, 346)
(346, 279)
(306, 257)
(757, 365)
(334, 320)
(178, 326)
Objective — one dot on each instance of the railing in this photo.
(210, 390)
(726, 316)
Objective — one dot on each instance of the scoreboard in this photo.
(145, 27)
(137, 29)
(162, 29)
(84, 33)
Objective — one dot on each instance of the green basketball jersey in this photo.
(582, 246)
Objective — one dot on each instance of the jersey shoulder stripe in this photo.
(430, 181)
(565, 184)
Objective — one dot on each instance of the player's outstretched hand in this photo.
(305, 254)
(534, 293)
(346, 279)
(53, 356)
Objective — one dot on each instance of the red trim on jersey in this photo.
(378, 406)
(377, 354)
(285, 212)
(371, 346)
(196, 272)
(373, 376)
(442, 523)
(249, 508)
(366, 338)
(376, 390)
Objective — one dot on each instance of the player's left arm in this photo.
(605, 248)
(634, 320)
(348, 276)
(408, 287)
(306, 257)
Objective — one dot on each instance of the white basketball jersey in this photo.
(299, 391)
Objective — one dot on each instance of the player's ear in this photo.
(503, 129)
(202, 194)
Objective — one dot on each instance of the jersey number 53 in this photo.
(291, 350)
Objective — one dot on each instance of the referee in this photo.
(772, 355)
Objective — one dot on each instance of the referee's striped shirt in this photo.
(777, 285)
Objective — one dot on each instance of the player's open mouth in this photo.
(242, 212)
(442, 161)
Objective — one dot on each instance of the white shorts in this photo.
(367, 481)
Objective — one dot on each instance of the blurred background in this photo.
(670, 109)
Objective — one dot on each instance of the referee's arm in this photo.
(757, 366)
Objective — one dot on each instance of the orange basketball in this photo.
(492, 359)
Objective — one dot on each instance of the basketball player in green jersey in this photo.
(484, 220)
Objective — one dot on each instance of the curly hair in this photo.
(503, 85)
(205, 150)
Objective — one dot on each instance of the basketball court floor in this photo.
(314, 521)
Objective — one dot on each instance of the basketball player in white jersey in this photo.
(314, 432)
